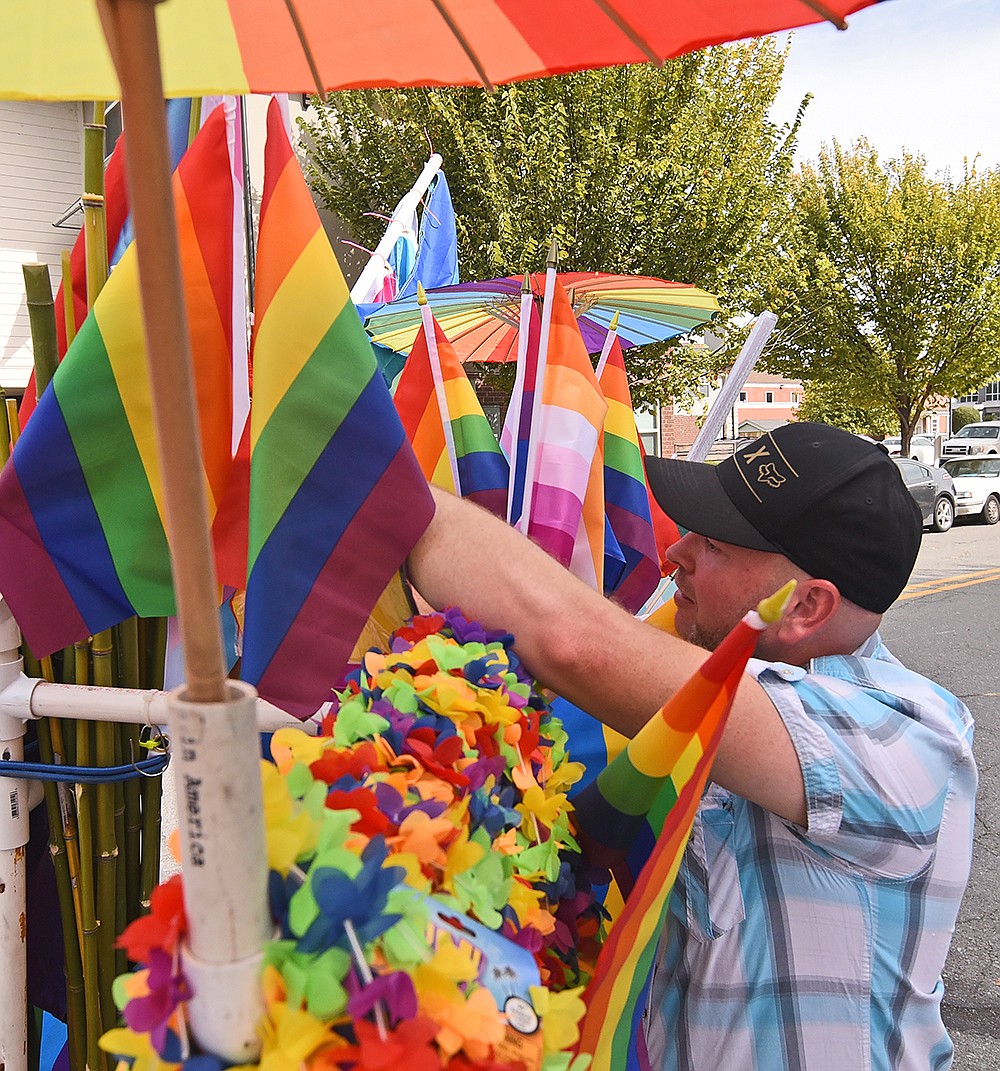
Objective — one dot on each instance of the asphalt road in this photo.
(946, 626)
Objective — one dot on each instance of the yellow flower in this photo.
(544, 809)
(136, 1047)
(289, 829)
(561, 1014)
(289, 746)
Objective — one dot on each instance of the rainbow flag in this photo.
(82, 541)
(625, 496)
(516, 431)
(446, 425)
(667, 763)
(337, 498)
(565, 464)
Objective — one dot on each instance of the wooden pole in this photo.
(130, 26)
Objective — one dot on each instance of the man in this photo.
(817, 898)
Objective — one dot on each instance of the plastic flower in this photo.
(150, 1014)
(544, 809)
(290, 830)
(473, 1026)
(162, 928)
(409, 1046)
(393, 990)
(129, 1045)
(361, 899)
(561, 1014)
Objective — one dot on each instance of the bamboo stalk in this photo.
(5, 436)
(151, 791)
(76, 1023)
(132, 824)
(90, 928)
(13, 422)
(69, 311)
(42, 321)
(104, 839)
(121, 852)
(95, 229)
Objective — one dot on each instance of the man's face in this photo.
(717, 583)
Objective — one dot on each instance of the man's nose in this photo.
(681, 553)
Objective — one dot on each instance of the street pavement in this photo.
(947, 627)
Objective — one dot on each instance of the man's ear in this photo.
(812, 607)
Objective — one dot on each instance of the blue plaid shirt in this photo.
(821, 948)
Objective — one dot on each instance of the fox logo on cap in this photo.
(768, 474)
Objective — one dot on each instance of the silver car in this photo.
(977, 487)
(933, 492)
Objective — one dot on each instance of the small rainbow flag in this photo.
(446, 425)
(669, 760)
(337, 498)
(514, 436)
(626, 499)
(566, 466)
(82, 541)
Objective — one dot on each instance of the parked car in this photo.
(922, 448)
(932, 490)
(977, 486)
(973, 439)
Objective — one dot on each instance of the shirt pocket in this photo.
(712, 880)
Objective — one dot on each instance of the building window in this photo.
(992, 392)
(968, 399)
(795, 397)
(492, 414)
(650, 442)
(768, 397)
(743, 395)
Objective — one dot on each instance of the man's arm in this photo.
(591, 651)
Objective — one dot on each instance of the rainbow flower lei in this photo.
(431, 901)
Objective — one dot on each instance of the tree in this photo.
(675, 171)
(891, 288)
(962, 415)
(824, 403)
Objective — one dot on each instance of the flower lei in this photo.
(436, 790)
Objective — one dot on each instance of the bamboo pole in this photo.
(105, 841)
(42, 320)
(76, 1022)
(5, 436)
(69, 311)
(130, 27)
(13, 423)
(95, 231)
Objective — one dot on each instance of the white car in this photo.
(921, 448)
(983, 438)
(977, 486)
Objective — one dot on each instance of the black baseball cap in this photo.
(832, 503)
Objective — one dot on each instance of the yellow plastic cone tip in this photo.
(421, 294)
(614, 322)
(773, 607)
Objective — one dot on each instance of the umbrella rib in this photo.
(306, 50)
(630, 31)
(464, 42)
(824, 12)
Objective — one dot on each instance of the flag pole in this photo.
(523, 331)
(609, 341)
(407, 205)
(726, 398)
(211, 720)
(551, 264)
(430, 336)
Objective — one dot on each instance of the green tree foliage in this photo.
(962, 415)
(824, 403)
(674, 171)
(891, 293)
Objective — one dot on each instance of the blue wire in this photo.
(85, 775)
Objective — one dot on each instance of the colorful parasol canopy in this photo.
(55, 50)
(481, 318)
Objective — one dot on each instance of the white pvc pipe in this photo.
(406, 207)
(224, 859)
(26, 698)
(723, 404)
(517, 395)
(13, 907)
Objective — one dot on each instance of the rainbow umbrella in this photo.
(670, 756)
(481, 318)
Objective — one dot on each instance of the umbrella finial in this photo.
(421, 294)
(526, 284)
(773, 607)
(552, 260)
(614, 322)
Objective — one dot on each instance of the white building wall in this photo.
(41, 175)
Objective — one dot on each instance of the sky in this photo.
(923, 75)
